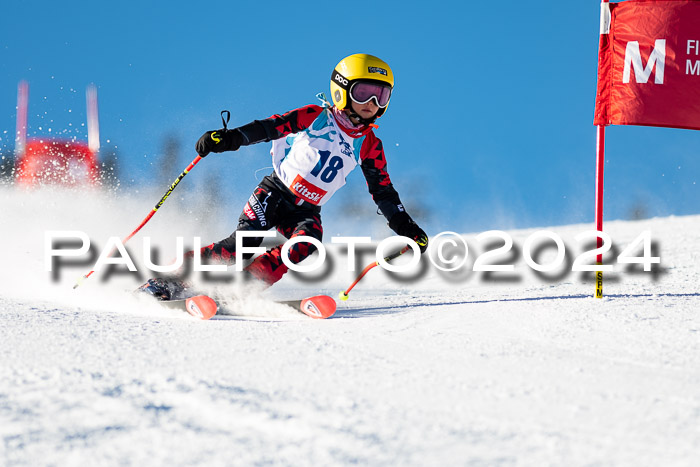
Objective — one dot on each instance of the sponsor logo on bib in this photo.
(307, 190)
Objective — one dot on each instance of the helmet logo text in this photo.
(340, 79)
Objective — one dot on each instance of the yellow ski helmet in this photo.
(357, 67)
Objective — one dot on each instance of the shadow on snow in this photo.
(385, 310)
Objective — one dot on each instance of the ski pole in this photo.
(344, 293)
(172, 186)
(150, 214)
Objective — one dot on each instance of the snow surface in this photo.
(445, 370)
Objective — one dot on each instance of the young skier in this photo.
(314, 149)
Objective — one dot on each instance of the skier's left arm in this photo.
(373, 164)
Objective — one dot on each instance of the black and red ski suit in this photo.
(274, 204)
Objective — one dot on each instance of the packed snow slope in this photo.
(456, 368)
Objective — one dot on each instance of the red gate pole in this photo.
(599, 190)
(21, 133)
(600, 157)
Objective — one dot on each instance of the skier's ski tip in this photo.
(318, 307)
(201, 306)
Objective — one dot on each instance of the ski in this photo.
(317, 307)
(204, 307)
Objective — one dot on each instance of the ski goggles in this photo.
(362, 92)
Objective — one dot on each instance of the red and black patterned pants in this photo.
(271, 205)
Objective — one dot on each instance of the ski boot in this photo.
(164, 288)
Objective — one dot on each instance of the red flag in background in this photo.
(649, 64)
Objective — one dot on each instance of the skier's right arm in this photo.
(258, 131)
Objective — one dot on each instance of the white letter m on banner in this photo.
(641, 74)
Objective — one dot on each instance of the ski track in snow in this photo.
(429, 372)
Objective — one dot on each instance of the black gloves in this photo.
(219, 141)
(403, 225)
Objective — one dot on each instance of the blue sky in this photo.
(489, 127)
